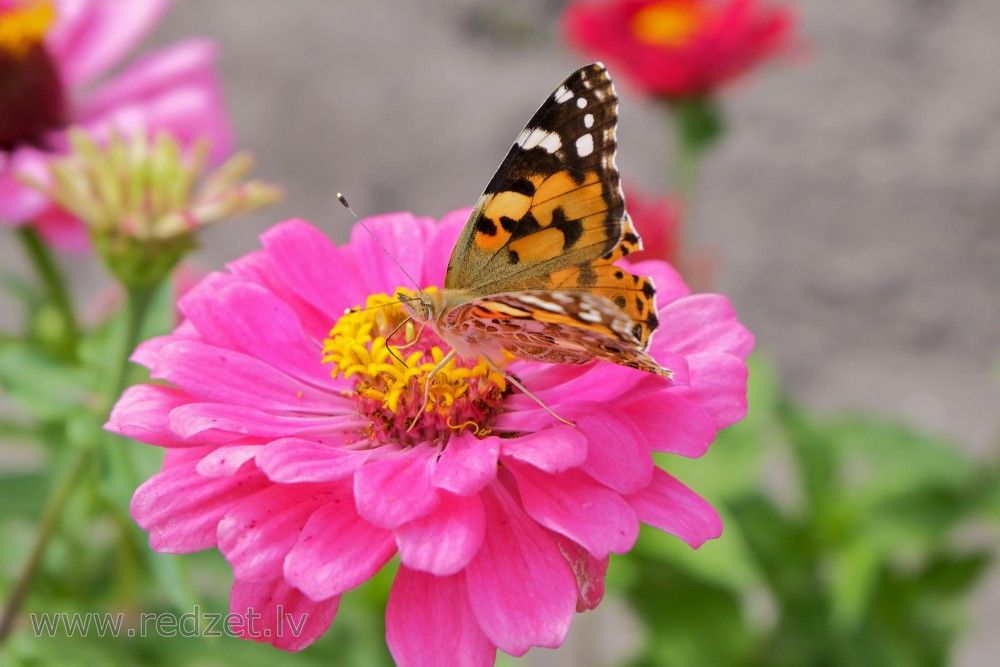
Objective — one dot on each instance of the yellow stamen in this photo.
(670, 24)
(358, 349)
(24, 25)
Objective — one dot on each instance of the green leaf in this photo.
(23, 493)
(46, 387)
(853, 580)
(689, 621)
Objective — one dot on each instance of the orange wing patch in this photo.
(560, 213)
(633, 295)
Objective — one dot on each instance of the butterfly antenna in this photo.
(343, 200)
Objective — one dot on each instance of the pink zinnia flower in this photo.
(679, 48)
(287, 448)
(51, 53)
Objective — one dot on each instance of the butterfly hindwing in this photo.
(553, 327)
(556, 199)
(633, 295)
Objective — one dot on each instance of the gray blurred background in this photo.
(854, 206)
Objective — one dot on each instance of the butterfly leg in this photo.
(389, 338)
(510, 378)
(427, 387)
(416, 338)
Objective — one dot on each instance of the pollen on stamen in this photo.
(389, 376)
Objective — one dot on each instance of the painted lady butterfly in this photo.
(533, 273)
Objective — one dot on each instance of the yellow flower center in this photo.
(391, 361)
(24, 24)
(670, 24)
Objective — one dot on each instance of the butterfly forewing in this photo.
(533, 273)
(556, 199)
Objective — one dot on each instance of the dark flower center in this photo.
(32, 96)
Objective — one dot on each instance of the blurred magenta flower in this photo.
(679, 48)
(659, 220)
(52, 53)
(287, 448)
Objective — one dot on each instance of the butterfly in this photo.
(533, 273)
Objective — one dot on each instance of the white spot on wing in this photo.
(585, 145)
(581, 102)
(590, 316)
(563, 94)
(542, 303)
(532, 137)
(588, 120)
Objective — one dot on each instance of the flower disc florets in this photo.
(391, 361)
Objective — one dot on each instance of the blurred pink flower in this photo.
(51, 54)
(659, 220)
(503, 517)
(679, 48)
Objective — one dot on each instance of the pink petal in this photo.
(20, 203)
(522, 591)
(673, 423)
(181, 509)
(718, 386)
(672, 507)
(309, 263)
(147, 352)
(143, 413)
(337, 550)
(292, 460)
(174, 89)
(444, 541)
(204, 423)
(467, 464)
(702, 323)
(91, 35)
(254, 321)
(258, 268)
(64, 232)
(221, 375)
(589, 572)
(559, 384)
(226, 461)
(669, 284)
(197, 306)
(275, 613)
(617, 452)
(403, 236)
(429, 622)
(574, 505)
(438, 247)
(397, 489)
(553, 449)
(257, 534)
(184, 455)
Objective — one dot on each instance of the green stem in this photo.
(122, 467)
(697, 126)
(137, 304)
(123, 471)
(685, 169)
(50, 520)
(55, 285)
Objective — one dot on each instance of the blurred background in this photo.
(852, 210)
